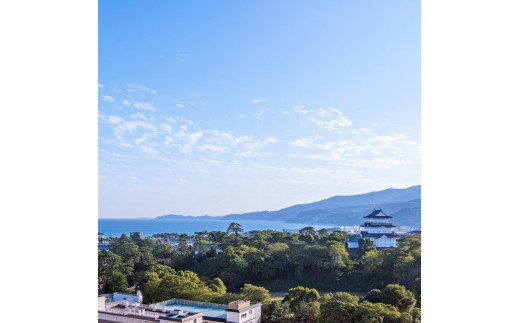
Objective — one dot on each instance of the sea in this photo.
(116, 227)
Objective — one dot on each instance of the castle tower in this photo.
(379, 229)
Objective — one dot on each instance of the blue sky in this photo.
(216, 107)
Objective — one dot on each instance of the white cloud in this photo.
(380, 163)
(241, 115)
(187, 121)
(180, 105)
(389, 138)
(182, 132)
(126, 102)
(132, 87)
(121, 126)
(224, 138)
(325, 118)
(258, 115)
(148, 149)
(341, 149)
(250, 153)
(167, 140)
(166, 127)
(170, 119)
(124, 144)
(366, 131)
(133, 125)
(213, 148)
(255, 101)
(114, 119)
(108, 98)
(409, 143)
(138, 116)
(363, 150)
(145, 106)
(142, 139)
(186, 149)
(270, 140)
(302, 142)
(194, 137)
(250, 148)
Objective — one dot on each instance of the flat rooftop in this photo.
(141, 311)
(206, 311)
(148, 313)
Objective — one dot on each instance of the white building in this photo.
(377, 228)
(103, 246)
(175, 310)
(244, 311)
(349, 229)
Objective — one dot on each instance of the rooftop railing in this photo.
(133, 311)
(118, 293)
(175, 301)
(377, 224)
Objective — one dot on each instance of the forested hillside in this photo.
(297, 264)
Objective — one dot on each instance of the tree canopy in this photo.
(225, 266)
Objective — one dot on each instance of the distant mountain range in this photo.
(402, 204)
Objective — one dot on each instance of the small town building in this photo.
(414, 232)
(129, 309)
(136, 235)
(349, 229)
(378, 228)
(103, 246)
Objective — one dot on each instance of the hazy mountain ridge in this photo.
(403, 204)
(179, 217)
(405, 213)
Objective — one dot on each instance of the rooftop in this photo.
(372, 224)
(176, 310)
(378, 214)
(175, 313)
(353, 238)
(118, 308)
(207, 309)
(379, 235)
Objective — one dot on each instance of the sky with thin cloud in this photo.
(218, 107)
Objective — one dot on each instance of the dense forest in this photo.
(224, 266)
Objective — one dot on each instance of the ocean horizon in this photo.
(116, 227)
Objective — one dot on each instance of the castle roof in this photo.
(378, 214)
(377, 225)
(379, 235)
(353, 238)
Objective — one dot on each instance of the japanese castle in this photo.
(378, 229)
